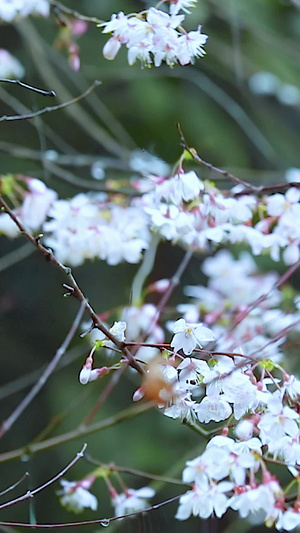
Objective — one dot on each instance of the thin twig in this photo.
(64, 9)
(8, 423)
(248, 187)
(29, 87)
(102, 521)
(31, 493)
(12, 487)
(115, 468)
(51, 108)
(211, 167)
(200, 161)
(269, 189)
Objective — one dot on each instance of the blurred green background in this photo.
(231, 124)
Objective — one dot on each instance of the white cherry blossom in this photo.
(75, 495)
(154, 36)
(132, 500)
(289, 520)
(188, 336)
(213, 407)
(204, 500)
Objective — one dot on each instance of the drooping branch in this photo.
(133, 471)
(101, 521)
(248, 188)
(14, 485)
(58, 6)
(29, 87)
(31, 493)
(195, 156)
(7, 118)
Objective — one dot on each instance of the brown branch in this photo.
(58, 6)
(29, 87)
(270, 189)
(248, 188)
(133, 471)
(48, 109)
(225, 173)
(8, 423)
(31, 493)
(101, 521)
(73, 289)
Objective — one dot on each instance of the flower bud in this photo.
(111, 48)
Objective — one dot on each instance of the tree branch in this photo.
(29, 87)
(14, 485)
(48, 109)
(101, 521)
(31, 493)
(64, 9)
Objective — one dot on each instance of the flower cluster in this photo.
(36, 200)
(182, 209)
(14, 9)
(237, 379)
(131, 500)
(91, 226)
(75, 495)
(155, 36)
(233, 474)
(234, 285)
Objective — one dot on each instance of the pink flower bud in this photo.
(160, 286)
(84, 376)
(111, 48)
(138, 394)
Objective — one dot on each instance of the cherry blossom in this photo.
(75, 495)
(289, 520)
(132, 500)
(178, 5)
(37, 200)
(154, 36)
(188, 336)
(204, 500)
